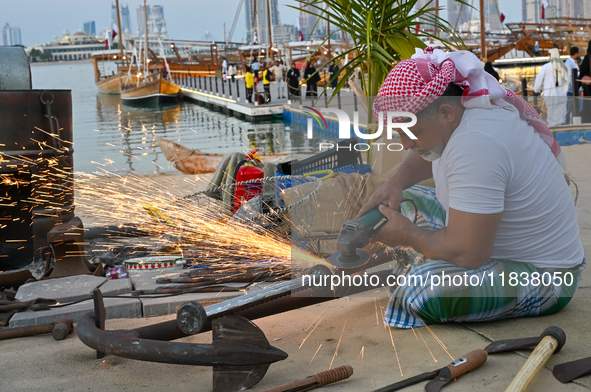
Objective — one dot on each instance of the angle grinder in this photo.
(355, 234)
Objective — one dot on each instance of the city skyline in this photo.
(187, 19)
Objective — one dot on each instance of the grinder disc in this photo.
(353, 262)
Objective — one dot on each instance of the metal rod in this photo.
(223, 88)
(524, 88)
(339, 98)
(482, 33)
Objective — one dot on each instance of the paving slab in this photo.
(574, 320)
(71, 288)
(380, 356)
(116, 308)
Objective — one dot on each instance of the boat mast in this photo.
(145, 38)
(120, 33)
(482, 36)
(270, 29)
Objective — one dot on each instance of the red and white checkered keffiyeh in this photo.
(414, 84)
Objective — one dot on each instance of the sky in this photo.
(40, 20)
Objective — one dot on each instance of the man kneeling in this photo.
(502, 217)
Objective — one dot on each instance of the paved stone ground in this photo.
(311, 336)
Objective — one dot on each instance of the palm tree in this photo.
(383, 33)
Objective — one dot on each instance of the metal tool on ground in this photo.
(553, 340)
(315, 381)
(442, 376)
(355, 234)
(566, 372)
(501, 346)
(59, 329)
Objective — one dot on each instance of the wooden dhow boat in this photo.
(190, 161)
(150, 89)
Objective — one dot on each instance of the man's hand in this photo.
(394, 232)
(388, 195)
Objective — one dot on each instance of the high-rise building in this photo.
(532, 10)
(308, 22)
(458, 14)
(258, 20)
(90, 27)
(125, 19)
(492, 15)
(11, 35)
(124, 15)
(156, 21)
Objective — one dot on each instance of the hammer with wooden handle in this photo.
(59, 330)
(552, 341)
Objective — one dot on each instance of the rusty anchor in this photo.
(239, 353)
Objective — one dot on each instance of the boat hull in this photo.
(150, 92)
(109, 85)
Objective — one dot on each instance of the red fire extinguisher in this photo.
(247, 170)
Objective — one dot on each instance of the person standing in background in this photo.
(266, 82)
(255, 68)
(249, 79)
(333, 70)
(553, 79)
(537, 49)
(571, 63)
(488, 67)
(232, 71)
(224, 68)
(585, 75)
(278, 70)
(293, 81)
(312, 79)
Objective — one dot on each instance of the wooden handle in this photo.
(533, 365)
(473, 360)
(315, 381)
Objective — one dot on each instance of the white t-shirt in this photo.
(495, 162)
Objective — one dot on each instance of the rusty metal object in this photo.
(240, 353)
(67, 242)
(315, 381)
(59, 330)
(15, 278)
(149, 343)
(566, 372)
(37, 178)
(501, 346)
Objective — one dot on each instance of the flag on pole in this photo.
(300, 31)
(107, 39)
(502, 17)
(115, 31)
(544, 7)
(417, 28)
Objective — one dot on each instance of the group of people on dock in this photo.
(265, 73)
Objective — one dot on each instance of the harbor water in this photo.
(111, 136)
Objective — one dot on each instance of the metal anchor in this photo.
(240, 353)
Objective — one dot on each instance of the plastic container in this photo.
(117, 273)
(345, 159)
